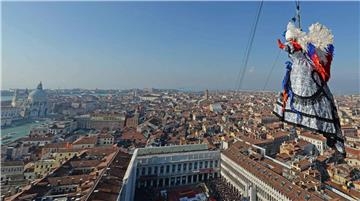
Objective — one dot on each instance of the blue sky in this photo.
(193, 45)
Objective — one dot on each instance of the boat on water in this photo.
(7, 137)
(12, 133)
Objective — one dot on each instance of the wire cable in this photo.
(271, 69)
(249, 47)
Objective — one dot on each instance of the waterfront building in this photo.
(19, 98)
(34, 106)
(9, 114)
(38, 140)
(37, 104)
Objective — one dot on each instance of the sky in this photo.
(179, 45)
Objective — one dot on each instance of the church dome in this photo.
(38, 95)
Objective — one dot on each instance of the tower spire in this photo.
(40, 86)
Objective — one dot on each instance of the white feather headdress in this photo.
(319, 35)
(295, 33)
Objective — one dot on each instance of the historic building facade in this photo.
(164, 167)
(35, 105)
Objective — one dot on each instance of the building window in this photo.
(195, 178)
(167, 168)
(201, 165)
(161, 182)
(173, 168)
(184, 167)
(190, 166)
(161, 169)
(156, 170)
(195, 165)
(183, 180)
(206, 164)
(179, 167)
(143, 171)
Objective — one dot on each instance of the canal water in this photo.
(19, 131)
(6, 98)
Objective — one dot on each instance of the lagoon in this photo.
(20, 130)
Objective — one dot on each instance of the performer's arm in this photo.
(286, 47)
(289, 47)
(280, 44)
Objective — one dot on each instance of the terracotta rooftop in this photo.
(132, 134)
(84, 163)
(313, 136)
(269, 176)
(110, 183)
(86, 140)
(69, 180)
(105, 135)
(101, 151)
(37, 138)
(57, 145)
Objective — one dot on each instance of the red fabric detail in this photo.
(329, 58)
(285, 98)
(324, 71)
(296, 45)
(280, 44)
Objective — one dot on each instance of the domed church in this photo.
(37, 102)
(35, 105)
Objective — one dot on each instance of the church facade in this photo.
(32, 105)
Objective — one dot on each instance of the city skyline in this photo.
(178, 45)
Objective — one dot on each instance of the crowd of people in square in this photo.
(221, 191)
